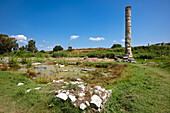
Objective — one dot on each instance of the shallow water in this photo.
(57, 71)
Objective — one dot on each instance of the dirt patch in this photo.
(88, 60)
(151, 64)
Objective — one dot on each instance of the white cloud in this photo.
(20, 38)
(123, 40)
(96, 39)
(31, 39)
(40, 45)
(73, 37)
(45, 41)
(22, 41)
(114, 40)
(49, 47)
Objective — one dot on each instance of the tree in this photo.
(116, 45)
(7, 44)
(31, 46)
(22, 48)
(42, 51)
(57, 48)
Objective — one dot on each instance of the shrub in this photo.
(29, 64)
(116, 46)
(23, 61)
(57, 48)
(110, 55)
(97, 53)
(42, 51)
(2, 62)
(13, 62)
(60, 54)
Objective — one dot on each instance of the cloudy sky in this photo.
(84, 23)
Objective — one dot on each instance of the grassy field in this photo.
(140, 88)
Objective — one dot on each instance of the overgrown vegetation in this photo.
(138, 89)
(60, 54)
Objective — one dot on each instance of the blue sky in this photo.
(84, 23)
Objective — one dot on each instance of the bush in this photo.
(39, 55)
(97, 53)
(13, 62)
(23, 61)
(110, 55)
(42, 51)
(116, 46)
(60, 54)
(29, 64)
(57, 48)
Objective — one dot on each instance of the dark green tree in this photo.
(57, 48)
(22, 48)
(31, 46)
(42, 51)
(116, 45)
(7, 44)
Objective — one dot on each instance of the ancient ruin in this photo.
(128, 57)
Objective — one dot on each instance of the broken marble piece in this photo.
(37, 88)
(27, 91)
(20, 84)
(96, 100)
(62, 96)
(82, 106)
(72, 98)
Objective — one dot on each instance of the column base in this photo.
(128, 59)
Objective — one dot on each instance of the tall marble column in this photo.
(128, 57)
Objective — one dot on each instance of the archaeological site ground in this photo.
(43, 76)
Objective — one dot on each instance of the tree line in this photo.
(8, 44)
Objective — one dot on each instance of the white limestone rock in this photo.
(81, 94)
(104, 97)
(78, 79)
(34, 64)
(61, 66)
(87, 103)
(98, 87)
(58, 81)
(72, 98)
(62, 96)
(67, 93)
(37, 88)
(27, 91)
(102, 89)
(82, 106)
(82, 87)
(20, 84)
(66, 83)
(96, 100)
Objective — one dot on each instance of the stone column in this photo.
(128, 57)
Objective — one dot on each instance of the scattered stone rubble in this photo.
(5, 59)
(82, 96)
(34, 64)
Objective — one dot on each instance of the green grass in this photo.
(144, 90)
(139, 89)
